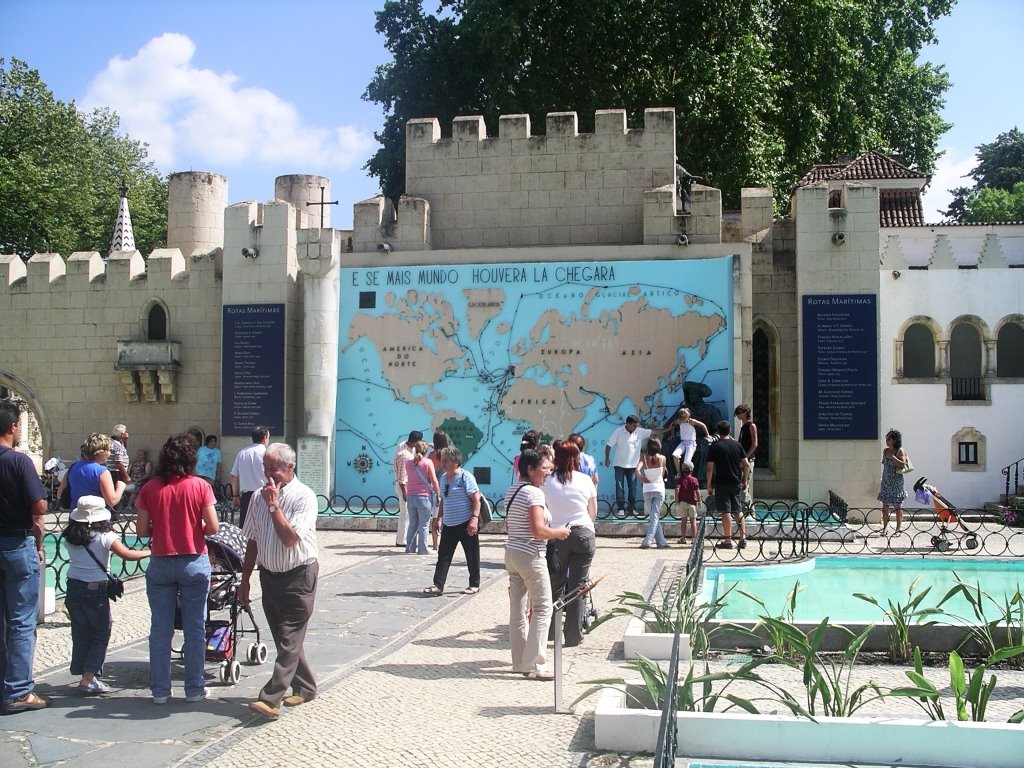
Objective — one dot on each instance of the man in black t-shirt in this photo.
(727, 474)
(22, 506)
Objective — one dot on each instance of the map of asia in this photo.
(486, 351)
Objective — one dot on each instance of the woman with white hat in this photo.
(90, 540)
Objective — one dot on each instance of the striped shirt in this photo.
(517, 517)
(457, 497)
(299, 505)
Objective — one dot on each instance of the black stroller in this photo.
(227, 551)
(946, 510)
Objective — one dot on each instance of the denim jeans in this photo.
(419, 519)
(652, 502)
(625, 483)
(89, 609)
(168, 579)
(19, 606)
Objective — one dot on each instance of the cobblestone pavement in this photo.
(405, 680)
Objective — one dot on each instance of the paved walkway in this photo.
(405, 680)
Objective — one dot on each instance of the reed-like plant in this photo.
(901, 616)
(985, 631)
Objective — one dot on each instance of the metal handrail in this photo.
(1015, 468)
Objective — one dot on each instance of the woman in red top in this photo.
(176, 509)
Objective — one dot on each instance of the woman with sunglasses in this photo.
(460, 522)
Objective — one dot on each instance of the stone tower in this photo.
(195, 211)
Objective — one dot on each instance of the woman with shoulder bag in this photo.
(460, 522)
(529, 526)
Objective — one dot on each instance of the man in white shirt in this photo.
(403, 452)
(247, 472)
(280, 531)
(628, 441)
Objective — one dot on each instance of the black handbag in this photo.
(115, 584)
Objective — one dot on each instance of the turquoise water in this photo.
(828, 585)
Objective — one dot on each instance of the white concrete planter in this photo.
(654, 645)
(778, 738)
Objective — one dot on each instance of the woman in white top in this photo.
(572, 501)
(529, 525)
(687, 438)
(651, 470)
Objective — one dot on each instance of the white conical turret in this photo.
(124, 237)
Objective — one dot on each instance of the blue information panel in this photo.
(252, 368)
(840, 364)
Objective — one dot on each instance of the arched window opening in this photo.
(762, 363)
(965, 363)
(156, 323)
(918, 352)
(1010, 351)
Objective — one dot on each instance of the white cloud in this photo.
(949, 174)
(183, 111)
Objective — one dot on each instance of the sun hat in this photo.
(90, 509)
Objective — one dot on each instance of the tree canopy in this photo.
(762, 88)
(998, 191)
(61, 170)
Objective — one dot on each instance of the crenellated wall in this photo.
(517, 189)
(62, 327)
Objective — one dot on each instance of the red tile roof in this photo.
(900, 208)
(870, 165)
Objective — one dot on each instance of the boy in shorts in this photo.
(687, 501)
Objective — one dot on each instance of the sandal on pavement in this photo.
(470, 590)
(433, 590)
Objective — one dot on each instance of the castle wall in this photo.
(849, 467)
(62, 325)
(516, 189)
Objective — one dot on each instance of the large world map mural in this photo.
(486, 351)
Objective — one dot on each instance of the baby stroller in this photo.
(227, 551)
(946, 511)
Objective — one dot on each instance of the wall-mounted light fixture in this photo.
(384, 247)
(250, 253)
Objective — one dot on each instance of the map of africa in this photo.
(486, 351)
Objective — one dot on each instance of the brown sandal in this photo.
(30, 701)
(433, 590)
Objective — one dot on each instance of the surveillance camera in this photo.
(682, 240)
(384, 247)
(896, 274)
(839, 238)
(250, 253)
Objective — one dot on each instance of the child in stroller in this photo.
(925, 493)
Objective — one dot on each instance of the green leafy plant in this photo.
(826, 678)
(675, 609)
(779, 641)
(1009, 620)
(971, 695)
(901, 616)
(698, 692)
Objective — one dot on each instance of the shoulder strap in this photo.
(514, 496)
(97, 560)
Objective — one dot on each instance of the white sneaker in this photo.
(198, 697)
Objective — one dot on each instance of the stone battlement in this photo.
(516, 189)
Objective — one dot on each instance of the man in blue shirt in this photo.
(22, 506)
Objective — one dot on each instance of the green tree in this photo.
(761, 88)
(996, 194)
(60, 171)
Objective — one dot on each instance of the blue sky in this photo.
(257, 89)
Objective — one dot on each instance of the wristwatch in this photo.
(273, 508)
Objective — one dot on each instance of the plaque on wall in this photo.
(840, 367)
(252, 368)
(311, 467)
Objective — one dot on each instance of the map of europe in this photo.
(486, 351)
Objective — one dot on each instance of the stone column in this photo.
(319, 255)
